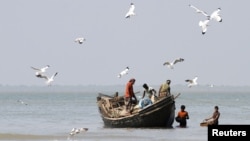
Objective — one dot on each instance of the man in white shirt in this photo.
(150, 91)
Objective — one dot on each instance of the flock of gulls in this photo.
(213, 16)
(203, 24)
(40, 73)
(170, 65)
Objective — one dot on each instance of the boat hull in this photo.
(161, 115)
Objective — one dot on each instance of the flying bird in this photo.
(125, 71)
(216, 16)
(131, 11)
(80, 40)
(204, 25)
(171, 64)
(49, 80)
(192, 82)
(40, 71)
(75, 131)
(198, 10)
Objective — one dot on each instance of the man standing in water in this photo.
(182, 117)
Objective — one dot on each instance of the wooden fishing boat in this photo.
(204, 124)
(207, 122)
(160, 114)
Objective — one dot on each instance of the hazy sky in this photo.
(42, 32)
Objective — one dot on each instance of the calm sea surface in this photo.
(51, 113)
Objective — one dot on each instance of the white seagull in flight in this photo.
(214, 16)
(204, 25)
(131, 11)
(192, 82)
(171, 64)
(198, 10)
(39, 72)
(80, 40)
(49, 80)
(125, 71)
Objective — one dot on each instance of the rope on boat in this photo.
(177, 95)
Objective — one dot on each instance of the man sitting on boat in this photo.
(214, 119)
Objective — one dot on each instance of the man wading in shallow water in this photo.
(182, 117)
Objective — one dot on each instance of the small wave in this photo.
(8, 136)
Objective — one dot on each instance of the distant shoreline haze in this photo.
(119, 88)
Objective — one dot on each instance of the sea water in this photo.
(51, 113)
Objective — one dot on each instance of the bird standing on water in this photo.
(75, 131)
